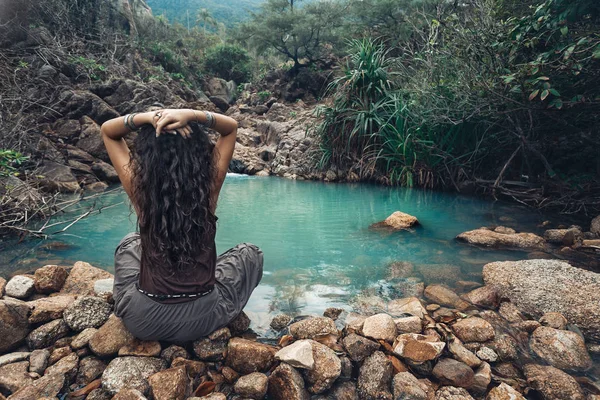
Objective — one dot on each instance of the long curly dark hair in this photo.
(172, 180)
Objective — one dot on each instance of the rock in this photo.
(2, 286)
(253, 386)
(58, 353)
(90, 368)
(506, 347)
(48, 386)
(110, 337)
(485, 296)
(504, 392)
(285, 383)
(47, 334)
(213, 347)
(20, 287)
(312, 327)
(487, 238)
(528, 326)
(439, 273)
(298, 354)
(246, 356)
(344, 391)
(83, 338)
(222, 88)
(409, 325)
(66, 366)
(38, 361)
(442, 295)
(540, 286)
(565, 237)
(375, 376)
(49, 308)
(552, 383)
(407, 387)
(466, 286)
(104, 287)
(482, 379)
(194, 369)
(14, 376)
(400, 269)
(561, 349)
(128, 394)
(87, 312)
(595, 226)
(358, 347)
(409, 305)
(105, 172)
(90, 139)
(56, 177)
(474, 330)
(380, 327)
(13, 357)
(141, 348)
(418, 348)
(240, 324)
(554, 320)
(452, 393)
(172, 352)
(332, 312)
(511, 313)
(130, 372)
(327, 368)
(220, 102)
(170, 384)
(354, 322)
(454, 373)
(49, 278)
(461, 353)
(487, 354)
(397, 221)
(280, 322)
(82, 278)
(14, 325)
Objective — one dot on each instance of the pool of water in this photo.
(318, 249)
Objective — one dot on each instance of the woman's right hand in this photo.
(170, 120)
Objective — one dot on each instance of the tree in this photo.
(302, 34)
(205, 18)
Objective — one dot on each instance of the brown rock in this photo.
(90, 369)
(327, 368)
(380, 327)
(407, 387)
(285, 383)
(110, 337)
(82, 278)
(252, 386)
(131, 373)
(49, 308)
(442, 295)
(375, 377)
(58, 353)
(128, 394)
(554, 320)
(2, 287)
(280, 322)
(461, 353)
(418, 348)
(47, 334)
(312, 327)
(240, 324)
(194, 369)
(48, 386)
(14, 376)
(454, 373)
(409, 305)
(344, 391)
(482, 379)
(485, 296)
(246, 356)
(561, 349)
(474, 330)
(409, 325)
(511, 313)
(358, 347)
(66, 366)
(172, 352)
(14, 325)
(141, 348)
(552, 383)
(397, 221)
(332, 312)
(504, 392)
(213, 347)
(50, 278)
(170, 384)
(487, 238)
(452, 393)
(83, 338)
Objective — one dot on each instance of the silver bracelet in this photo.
(210, 119)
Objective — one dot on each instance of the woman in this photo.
(169, 282)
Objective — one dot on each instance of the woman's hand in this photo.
(173, 121)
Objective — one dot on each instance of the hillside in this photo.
(228, 13)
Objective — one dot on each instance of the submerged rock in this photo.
(540, 286)
(444, 296)
(418, 348)
(312, 327)
(397, 221)
(552, 383)
(409, 305)
(487, 238)
(561, 349)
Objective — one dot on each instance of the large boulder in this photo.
(561, 349)
(397, 221)
(488, 238)
(537, 287)
(130, 372)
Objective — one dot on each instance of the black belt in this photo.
(174, 296)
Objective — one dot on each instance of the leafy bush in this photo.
(10, 160)
(229, 62)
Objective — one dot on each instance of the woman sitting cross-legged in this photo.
(169, 282)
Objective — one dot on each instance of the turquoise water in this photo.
(317, 247)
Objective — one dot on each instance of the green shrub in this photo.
(10, 160)
(229, 62)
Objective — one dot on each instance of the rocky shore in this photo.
(530, 331)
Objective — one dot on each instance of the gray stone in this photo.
(359, 347)
(327, 368)
(87, 312)
(504, 392)
(409, 325)
(487, 354)
(130, 372)
(298, 354)
(380, 327)
(102, 286)
(312, 327)
(253, 386)
(452, 393)
(280, 321)
(375, 377)
(38, 361)
(20, 287)
(47, 334)
(454, 373)
(13, 357)
(407, 387)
